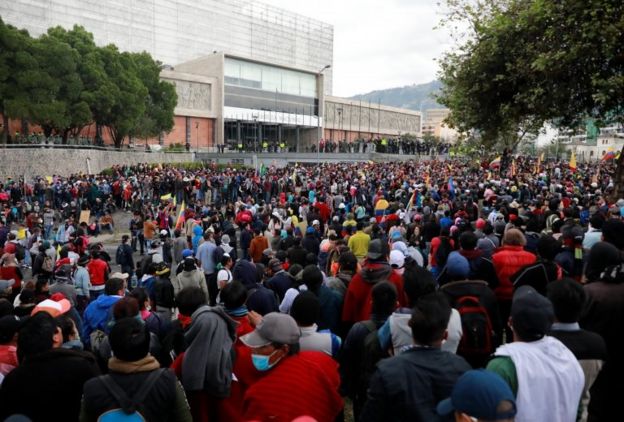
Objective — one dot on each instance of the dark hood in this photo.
(375, 271)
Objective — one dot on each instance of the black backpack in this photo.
(120, 256)
(371, 353)
(20, 252)
(477, 341)
(129, 407)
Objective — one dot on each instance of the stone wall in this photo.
(17, 162)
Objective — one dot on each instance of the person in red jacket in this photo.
(296, 383)
(358, 302)
(98, 274)
(507, 261)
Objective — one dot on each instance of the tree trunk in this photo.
(618, 178)
(47, 130)
(5, 128)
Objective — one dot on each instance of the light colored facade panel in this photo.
(176, 31)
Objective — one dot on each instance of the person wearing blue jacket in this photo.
(98, 313)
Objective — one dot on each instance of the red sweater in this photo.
(358, 302)
(97, 271)
(305, 384)
(507, 261)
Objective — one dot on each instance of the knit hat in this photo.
(479, 393)
(457, 266)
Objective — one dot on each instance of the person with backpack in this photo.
(361, 350)
(507, 261)
(135, 387)
(394, 334)
(408, 386)
(123, 256)
(476, 304)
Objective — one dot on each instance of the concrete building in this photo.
(593, 148)
(245, 73)
(433, 124)
(346, 119)
(176, 31)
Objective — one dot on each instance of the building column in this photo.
(297, 138)
(238, 132)
(259, 140)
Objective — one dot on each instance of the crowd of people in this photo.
(384, 145)
(421, 291)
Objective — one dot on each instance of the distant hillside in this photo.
(414, 97)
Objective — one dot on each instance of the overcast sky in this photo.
(378, 43)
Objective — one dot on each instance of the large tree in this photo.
(522, 63)
(19, 77)
(128, 94)
(160, 101)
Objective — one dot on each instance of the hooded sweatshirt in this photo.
(357, 302)
(97, 314)
(207, 364)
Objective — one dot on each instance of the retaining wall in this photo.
(29, 162)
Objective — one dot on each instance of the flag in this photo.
(165, 197)
(263, 170)
(451, 188)
(538, 165)
(427, 180)
(380, 209)
(513, 168)
(610, 155)
(180, 220)
(416, 199)
(495, 163)
(572, 163)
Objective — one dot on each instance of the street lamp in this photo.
(197, 134)
(320, 106)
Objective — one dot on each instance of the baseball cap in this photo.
(310, 230)
(480, 224)
(187, 253)
(123, 276)
(479, 393)
(54, 308)
(275, 264)
(316, 223)
(375, 249)
(532, 314)
(164, 233)
(397, 259)
(274, 328)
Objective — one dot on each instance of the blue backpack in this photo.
(129, 407)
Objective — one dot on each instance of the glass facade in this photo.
(257, 86)
(269, 78)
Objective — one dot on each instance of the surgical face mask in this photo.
(261, 362)
(75, 344)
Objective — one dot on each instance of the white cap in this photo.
(397, 259)
(315, 223)
(164, 233)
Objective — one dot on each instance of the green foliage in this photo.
(523, 63)
(64, 82)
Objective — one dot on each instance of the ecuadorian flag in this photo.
(380, 209)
